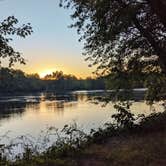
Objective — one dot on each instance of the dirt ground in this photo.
(135, 150)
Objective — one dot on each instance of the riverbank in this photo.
(142, 145)
(131, 150)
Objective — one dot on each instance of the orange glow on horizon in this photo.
(44, 73)
(45, 69)
(51, 61)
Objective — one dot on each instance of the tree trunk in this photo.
(162, 61)
(159, 7)
(160, 51)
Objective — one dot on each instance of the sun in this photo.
(44, 73)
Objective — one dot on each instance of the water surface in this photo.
(29, 114)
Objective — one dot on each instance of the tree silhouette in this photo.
(159, 7)
(116, 30)
(8, 28)
(123, 37)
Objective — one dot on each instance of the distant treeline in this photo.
(17, 81)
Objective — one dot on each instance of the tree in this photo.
(9, 27)
(121, 36)
(159, 7)
(118, 29)
(16, 80)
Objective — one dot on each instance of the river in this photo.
(24, 114)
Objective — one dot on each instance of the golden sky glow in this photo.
(44, 61)
(53, 46)
(42, 74)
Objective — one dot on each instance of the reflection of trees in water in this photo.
(12, 106)
(81, 97)
(68, 96)
(136, 95)
(87, 95)
(33, 106)
(9, 110)
(12, 109)
(54, 102)
(59, 106)
(53, 96)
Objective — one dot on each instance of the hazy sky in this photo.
(52, 46)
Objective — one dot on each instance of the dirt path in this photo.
(135, 150)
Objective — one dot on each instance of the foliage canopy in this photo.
(8, 28)
(121, 36)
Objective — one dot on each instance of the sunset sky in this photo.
(53, 46)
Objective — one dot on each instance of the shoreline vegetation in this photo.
(17, 81)
(12, 80)
(138, 144)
